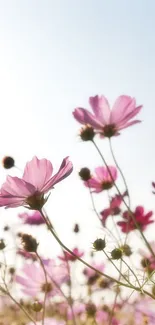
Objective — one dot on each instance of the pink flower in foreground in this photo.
(103, 180)
(102, 317)
(49, 321)
(32, 219)
(140, 217)
(108, 122)
(36, 181)
(34, 283)
(114, 207)
(69, 257)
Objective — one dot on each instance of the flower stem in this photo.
(90, 266)
(128, 208)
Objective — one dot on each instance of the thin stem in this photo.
(120, 170)
(128, 208)
(116, 296)
(90, 266)
(20, 306)
(97, 214)
(132, 272)
(111, 261)
(46, 282)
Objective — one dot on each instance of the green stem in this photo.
(128, 208)
(90, 266)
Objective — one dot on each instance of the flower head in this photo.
(108, 122)
(141, 219)
(34, 282)
(103, 180)
(36, 181)
(33, 219)
(114, 207)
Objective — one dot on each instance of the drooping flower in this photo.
(32, 219)
(34, 282)
(108, 122)
(114, 207)
(36, 181)
(103, 180)
(142, 220)
(69, 257)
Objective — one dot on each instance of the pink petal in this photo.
(126, 125)
(85, 117)
(64, 171)
(122, 105)
(17, 187)
(94, 183)
(11, 202)
(32, 292)
(100, 172)
(129, 116)
(100, 108)
(38, 172)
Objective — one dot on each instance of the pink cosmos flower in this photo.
(103, 180)
(108, 122)
(114, 208)
(102, 317)
(36, 181)
(92, 275)
(141, 218)
(69, 257)
(49, 321)
(34, 283)
(32, 219)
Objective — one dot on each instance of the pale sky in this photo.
(53, 56)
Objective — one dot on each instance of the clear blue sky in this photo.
(53, 56)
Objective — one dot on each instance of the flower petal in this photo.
(85, 117)
(101, 109)
(64, 171)
(38, 172)
(11, 202)
(16, 187)
(123, 105)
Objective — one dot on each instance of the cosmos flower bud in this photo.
(76, 228)
(12, 270)
(126, 250)
(29, 243)
(116, 254)
(84, 173)
(2, 244)
(36, 306)
(87, 133)
(99, 244)
(91, 310)
(8, 162)
(6, 228)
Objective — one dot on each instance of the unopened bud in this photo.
(76, 228)
(84, 173)
(91, 310)
(29, 243)
(36, 306)
(99, 244)
(8, 162)
(116, 254)
(2, 244)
